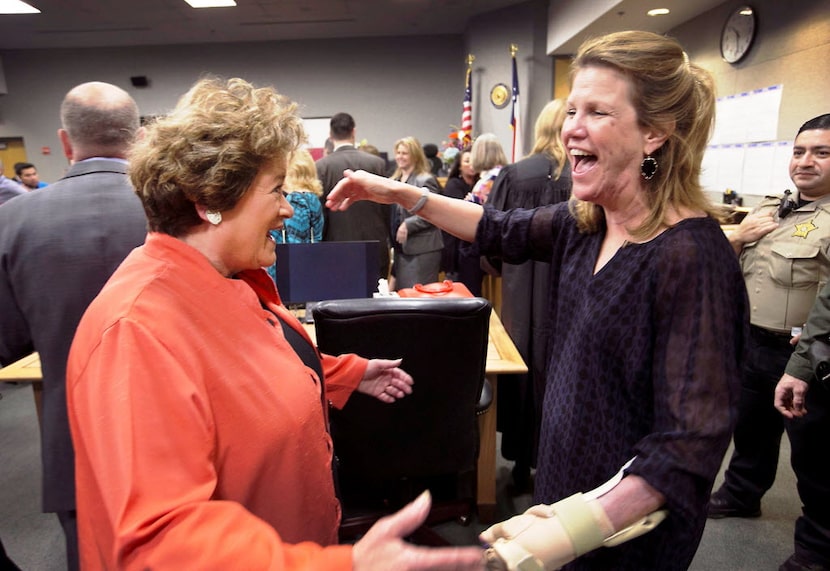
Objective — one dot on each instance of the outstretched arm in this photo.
(457, 217)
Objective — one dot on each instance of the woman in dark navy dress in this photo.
(543, 177)
(648, 315)
(460, 181)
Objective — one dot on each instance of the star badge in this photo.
(801, 230)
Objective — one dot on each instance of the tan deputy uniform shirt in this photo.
(785, 270)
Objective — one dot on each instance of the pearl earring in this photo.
(214, 217)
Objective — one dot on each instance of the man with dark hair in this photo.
(364, 220)
(27, 175)
(341, 127)
(57, 249)
(9, 188)
(784, 247)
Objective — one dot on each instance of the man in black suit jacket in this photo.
(365, 220)
(58, 247)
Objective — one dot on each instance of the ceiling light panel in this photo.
(211, 3)
(17, 7)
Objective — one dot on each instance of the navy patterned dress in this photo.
(644, 361)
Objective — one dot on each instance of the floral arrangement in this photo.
(448, 156)
(451, 147)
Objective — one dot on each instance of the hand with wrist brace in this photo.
(546, 537)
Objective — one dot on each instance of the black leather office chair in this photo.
(389, 453)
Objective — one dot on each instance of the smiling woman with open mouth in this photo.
(648, 315)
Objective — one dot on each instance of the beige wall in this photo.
(792, 48)
(489, 37)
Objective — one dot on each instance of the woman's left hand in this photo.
(385, 381)
(402, 233)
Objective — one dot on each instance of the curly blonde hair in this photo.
(302, 174)
(209, 149)
(669, 94)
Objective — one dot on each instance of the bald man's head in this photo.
(100, 120)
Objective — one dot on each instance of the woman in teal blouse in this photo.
(304, 191)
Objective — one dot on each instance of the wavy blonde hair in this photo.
(416, 151)
(302, 174)
(548, 133)
(670, 94)
(209, 149)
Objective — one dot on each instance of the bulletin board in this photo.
(317, 129)
(743, 154)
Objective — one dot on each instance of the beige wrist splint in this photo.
(584, 523)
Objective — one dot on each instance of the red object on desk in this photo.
(447, 288)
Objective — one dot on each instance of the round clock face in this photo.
(499, 95)
(737, 35)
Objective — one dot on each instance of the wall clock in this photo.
(499, 95)
(738, 34)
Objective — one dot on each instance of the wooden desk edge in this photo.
(26, 369)
(508, 360)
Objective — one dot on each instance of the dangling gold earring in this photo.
(648, 167)
(214, 217)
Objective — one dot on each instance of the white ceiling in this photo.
(621, 15)
(98, 23)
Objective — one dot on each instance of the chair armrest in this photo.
(485, 399)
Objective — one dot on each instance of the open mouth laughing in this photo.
(581, 161)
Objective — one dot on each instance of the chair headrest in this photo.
(438, 306)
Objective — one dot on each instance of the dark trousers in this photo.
(757, 437)
(69, 523)
(757, 441)
(810, 441)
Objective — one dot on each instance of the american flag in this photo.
(515, 117)
(467, 113)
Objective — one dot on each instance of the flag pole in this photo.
(467, 113)
(515, 115)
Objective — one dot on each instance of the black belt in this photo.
(771, 336)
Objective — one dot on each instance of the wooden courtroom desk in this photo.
(502, 358)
